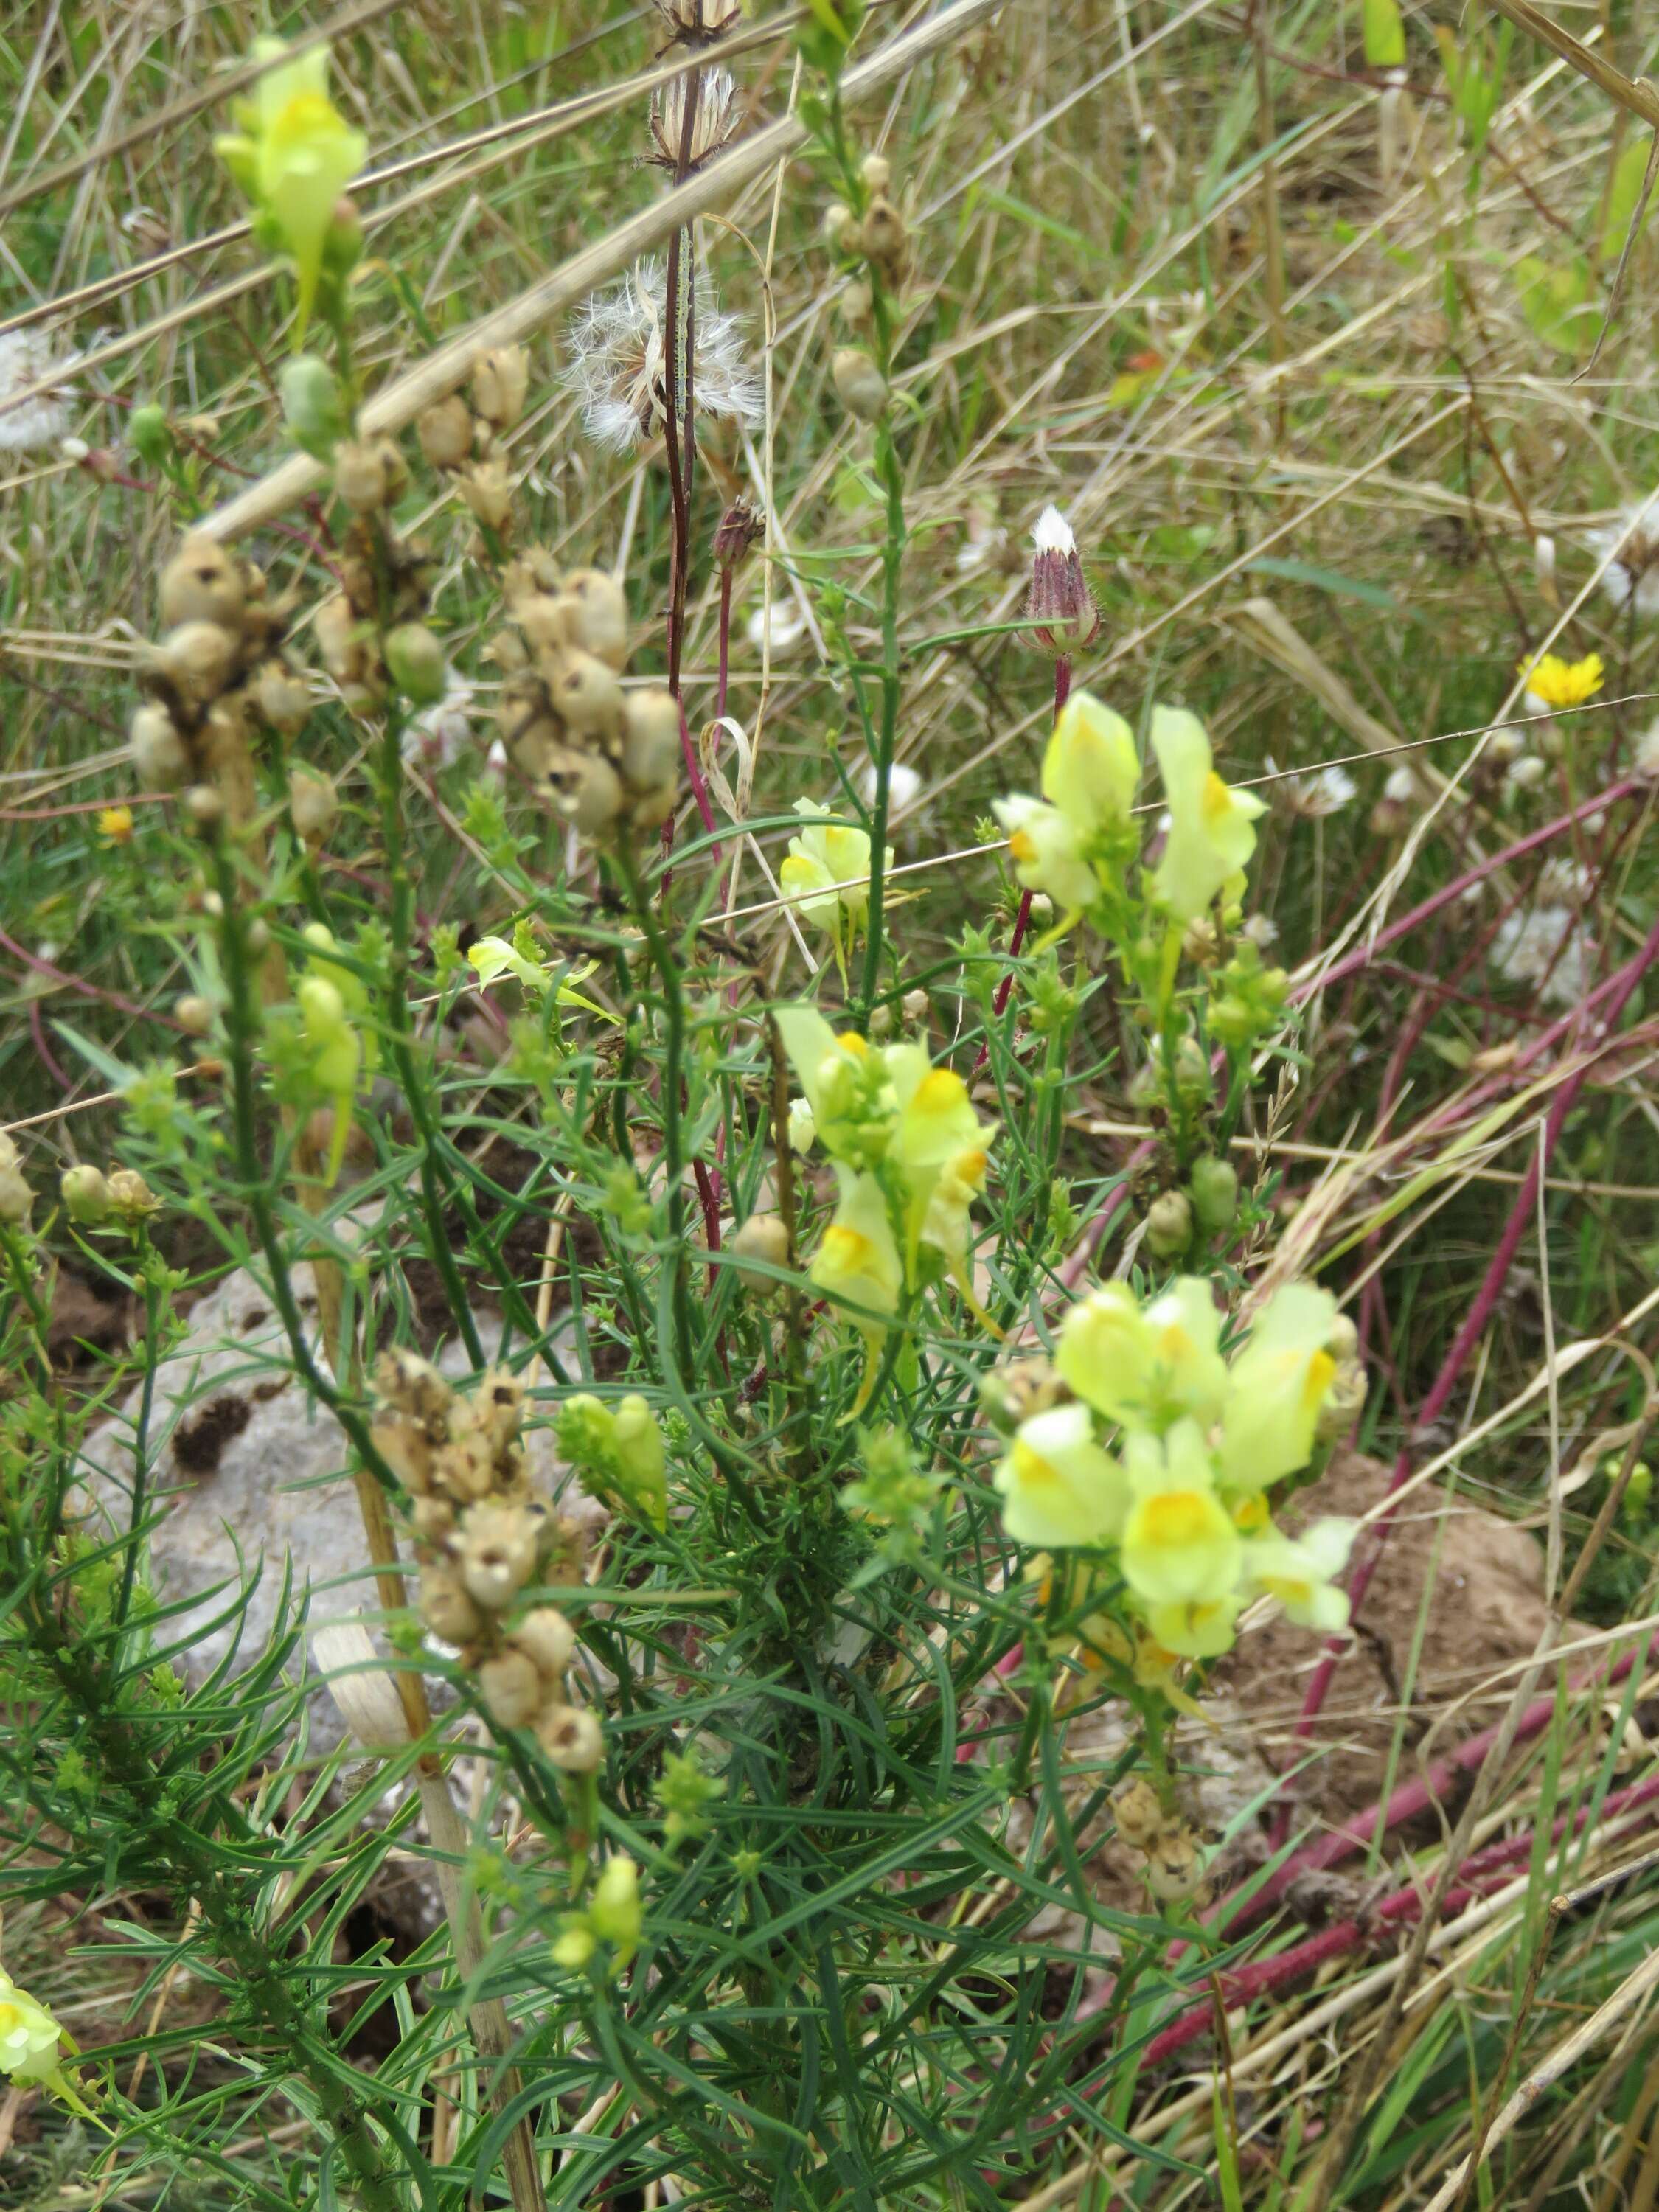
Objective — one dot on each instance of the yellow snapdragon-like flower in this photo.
(1146, 1364)
(1194, 1628)
(1301, 1572)
(827, 873)
(1179, 1546)
(836, 1075)
(944, 1225)
(29, 2036)
(1275, 1388)
(1212, 826)
(1557, 683)
(1090, 770)
(857, 1263)
(293, 154)
(1047, 850)
(1056, 1484)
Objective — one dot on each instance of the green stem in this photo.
(892, 558)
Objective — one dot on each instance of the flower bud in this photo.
(311, 406)
(359, 476)
(838, 228)
(546, 1638)
(1060, 603)
(313, 803)
(194, 1015)
(342, 241)
(571, 1737)
(131, 1197)
(202, 583)
(160, 760)
(861, 384)
(444, 432)
(512, 1688)
(876, 171)
(198, 660)
(763, 1236)
(500, 380)
(740, 527)
(599, 622)
(147, 434)
(16, 1196)
(651, 739)
(415, 662)
(85, 1194)
(615, 1916)
(886, 243)
(1214, 1187)
(1169, 1224)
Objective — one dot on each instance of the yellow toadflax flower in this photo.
(1057, 1486)
(857, 1263)
(293, 154)
(1275, 1388)
(1145, 1365)
(1090, 770)
(1212, 827)
(1301, 1572)
(29, 2036)
(1554, 681)
(1047, 851)
(1179, 1546)
(827, 874)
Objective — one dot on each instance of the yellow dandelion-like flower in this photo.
(115, 825)
(1557, 683)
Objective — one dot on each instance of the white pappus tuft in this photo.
(1547, 947)
(1314, 793)
(1634, 539)
(26, 359)
(619, 361)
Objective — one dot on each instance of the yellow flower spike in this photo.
(1557, 683)
(293, 156)
(1090, 771)
(834, 1073)
(827, 874)
(1047, 851)
(1212, 827)
(1301, 1572)
(1057, 1486)
(1179, 1546)
(1146, 1364)
(1275, 1388)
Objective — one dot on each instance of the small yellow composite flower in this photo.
(1275, 1388)
(1057, 1486)
(1179, 1546)
(1146, 1364)
(1301, 1572)
(293, 154)
(1557, 683)
(1090, 771)
(1212, 826)
(115, 825)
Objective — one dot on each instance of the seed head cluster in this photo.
(485, 1539)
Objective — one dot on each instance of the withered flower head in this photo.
(714, 120)
(1060, 604)
(698, 22)
(739, 528)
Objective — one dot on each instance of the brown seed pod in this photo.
(498, 1554)
(202, 583)
(447, 1608)
(281, 697)
(651, 739)
(601, 616)
(586, 791)
(161, 760)
(444, 432)
(196, 659)
(570, 1736)
(587, 697)
(547, 1637)
(501, 381)
(512, 1687)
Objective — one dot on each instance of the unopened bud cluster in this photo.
(483, 1539)
(92, 1200)
(216, 672)
(879, 235)
(605, 759)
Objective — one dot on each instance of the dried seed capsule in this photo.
(85, 1193)
(15, 1197)
(159, 756)
(571, 1737)
(548, 1639)
(587, 697)
(282, 698)
(359, 476)
(601, 615)
(414, 661)
(313, 803)
(402, 1443)
(130, 1196)
(512, 1688)
(194, 1015)
(651, 739)
(202, 583)
(447, 1608)
(498, 1554)
(862, 387)
(763, 1236)
(886, 243)
(587, 791)
(548, 621)
(445, 432)
(487, 491)
(1169, 1224)
(1141, 1818)
(501, 380)
(198, 660)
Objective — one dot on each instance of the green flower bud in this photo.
(1169, 1224)
(1213, 1187)
(147, 434)
(312, 404)
(86, 1195)
(414, 661)
(615, 1916)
